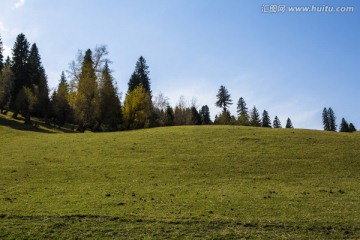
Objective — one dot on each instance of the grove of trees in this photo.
(87, 97)
(244, 116)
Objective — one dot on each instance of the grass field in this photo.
(212, 182)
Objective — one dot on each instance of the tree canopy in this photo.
(223, 98)
(140, 76)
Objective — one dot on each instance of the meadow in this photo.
(193, 182)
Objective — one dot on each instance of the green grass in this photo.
(216, 182)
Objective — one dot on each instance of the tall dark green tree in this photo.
(352, 128)
(140, 76)
(205, 115)
(344, 126)
(277, 123)
(329, 119)
(169, 116)
(289, 123)
(109, 107)
(266, 122)
(255, 118)
(1, 55)
(7, 61)
(332, 120)
(325, 119)
(35, 67)
(87, 97)
(59, 102)
(223, 99)
(38, 81)
(19, 67)
(195, 116)
(243, 114)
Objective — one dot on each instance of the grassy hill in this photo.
(179, 182)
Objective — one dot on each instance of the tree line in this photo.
(87, 97)
(244, 116)
(329, 122)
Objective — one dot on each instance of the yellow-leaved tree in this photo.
(137, 108)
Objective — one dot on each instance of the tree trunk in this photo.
(28, 119)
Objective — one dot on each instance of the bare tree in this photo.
(161, 102)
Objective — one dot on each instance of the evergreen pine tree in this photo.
(110, 108)
(289, 123)
(195, 116)
(242, 110)
(224, 98)
(87, 97)
(205, 115)
(266, 122)
(35, 67)
(19, 67)
(325, 117)
(332, 120)
(344, 126)
(277, 123)
(169, 116)
(255, 118)
(1, 55)
(7, 61)
(38, 81)
(59, 102)
(352, 128)
(140, 76)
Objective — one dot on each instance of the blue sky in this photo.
(291, 64)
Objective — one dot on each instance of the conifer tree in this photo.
(205, 115)
(242, 110)
(266, 122)
(195, 116)
(59, 103)
(332, 120)
(87, 97)
(289, 123)
(277, 123)
(169, 116)
(344, 126)
(1, 55)
(34, 65)
(224, 98)
(19, 67)
(325, 117)
(255, 118)
(140, 76)
(7, 61)
(38, 81)
(352, 128)
(110, 108)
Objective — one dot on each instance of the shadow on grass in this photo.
(41, 128)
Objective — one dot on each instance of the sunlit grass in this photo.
(180, 182)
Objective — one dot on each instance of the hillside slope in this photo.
(180, 182)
